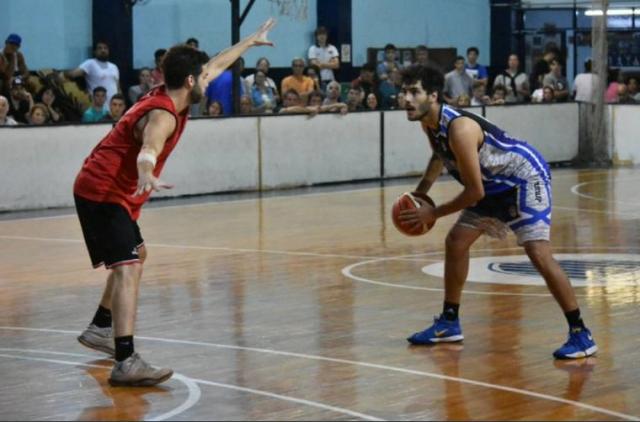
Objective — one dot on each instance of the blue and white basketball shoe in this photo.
(580, 344)
(442, 331)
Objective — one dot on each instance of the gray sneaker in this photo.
(135, 372)
(100, 339)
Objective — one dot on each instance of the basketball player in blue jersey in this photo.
(507, 185)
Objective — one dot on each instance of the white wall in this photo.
(550, 128)
(406, 147)
(626, 132)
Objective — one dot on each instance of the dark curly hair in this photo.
(432, 79)
(180, 62)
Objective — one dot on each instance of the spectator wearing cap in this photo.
(325, 56)
(99, 71)
(12, 62)
(5, 119)
(157, 77)
(96, 112)
(389, 63)
(298, 82)
(476, 71)
(20, 101)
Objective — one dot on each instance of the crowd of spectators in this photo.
(311, 86)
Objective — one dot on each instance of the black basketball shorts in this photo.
(111, 236)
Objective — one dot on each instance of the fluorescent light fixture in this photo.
(612, 12)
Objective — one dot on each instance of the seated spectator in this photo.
(262, 94)
(614, 78)
(464, 100)
(390, 88)
(548, 94)
(221, 90)
(20, 101)
(263, 65)
(325, 56)
(558, 82)
(583, 84)
(633, 89)
(99, 71)
(316, 99)
(144, 85)
(333, 94)
(300, 83)
(215, 109)
(292, 103)
(402, 102)
(117, 107)
(372, 102)
(422, 55)
(5, 119)
(623, 95)
(313, 72)
(516, 82)
(193, 43)
(389, 63)
(355, 97)
(542, 67)
(476, 71)
(457, 82)
(48, 98)
(38, 115)
(246, 106)
(499, 95)
(480, 96)
(12, 63)
(96, 112)
(367, 81)
(157, 77)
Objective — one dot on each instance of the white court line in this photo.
(575, 189)
(499, 387)
(235, 201)
(192, 398)
(191, 383)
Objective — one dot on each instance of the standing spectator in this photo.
(20, 101)
(389, 89)
(313, 72)
(193, 43)
(583, 84)
(422, 55)
(221, 90)
(117, 107)
(48, 98)
(38, 115)
(389, 63)
(372, 102)
(262, 65)
(96, 112)
(144, 86)
(5, 119)
(548, 94)
(543, 66)
(263, 96)
(558, 82)
(300, 83)
(99, 71)
(367, 81)
(516, 82)
(477, 71)
(215, 109)
(480, 96)
(325, 56)
(12, 62)
(457, 82)
(157, 77)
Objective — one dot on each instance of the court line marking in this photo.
(442, 377)
(191, 383)
(194, 392)
(562, 174)
(575, 189)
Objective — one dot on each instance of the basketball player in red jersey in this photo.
(115, 181)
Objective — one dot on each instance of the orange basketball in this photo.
(408, 201)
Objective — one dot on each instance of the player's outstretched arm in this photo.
(226, 58)
(160, 126)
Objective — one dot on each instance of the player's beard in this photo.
(418, 113)
(195, 96)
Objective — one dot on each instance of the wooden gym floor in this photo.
(296, 306)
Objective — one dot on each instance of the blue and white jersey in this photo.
(505, 162)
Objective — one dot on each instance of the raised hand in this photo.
(260, 37)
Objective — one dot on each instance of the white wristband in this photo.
(147, 157)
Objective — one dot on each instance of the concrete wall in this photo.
(626, 133)
(38, 164)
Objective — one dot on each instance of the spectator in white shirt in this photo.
(4, 109)
(516, 82)
(99, 71)
(583, 84)
(325, 56)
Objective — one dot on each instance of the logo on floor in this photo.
(583, 269)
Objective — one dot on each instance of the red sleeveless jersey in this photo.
(110, 173)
